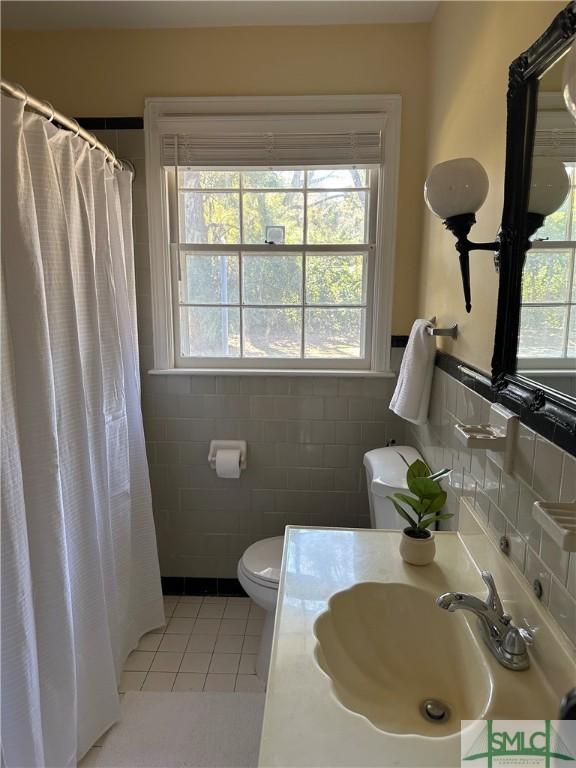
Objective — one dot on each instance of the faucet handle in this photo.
(516, 641)
(493, 599)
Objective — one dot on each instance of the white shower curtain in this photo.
(80, 576)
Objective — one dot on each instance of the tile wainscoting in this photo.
(542, 471)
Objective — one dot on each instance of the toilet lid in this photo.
(263, 559)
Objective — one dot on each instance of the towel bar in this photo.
(452, 331)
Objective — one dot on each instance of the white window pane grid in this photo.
(548, 314)
(255, 300)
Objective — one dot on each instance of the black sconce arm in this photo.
(460, 227)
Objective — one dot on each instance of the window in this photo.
(272, 234)
(548, 318)
(275, 263)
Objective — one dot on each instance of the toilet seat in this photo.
(262, 561)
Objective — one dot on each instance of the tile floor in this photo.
(208, 644)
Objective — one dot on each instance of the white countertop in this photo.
(304, 723)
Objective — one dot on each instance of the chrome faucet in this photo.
(508, 643)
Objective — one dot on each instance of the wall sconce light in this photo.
(456, 189)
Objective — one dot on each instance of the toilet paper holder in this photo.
(220, 445)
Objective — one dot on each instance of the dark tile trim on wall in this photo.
(477, 381)
(186, 585)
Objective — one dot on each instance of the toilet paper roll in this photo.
(228, 463)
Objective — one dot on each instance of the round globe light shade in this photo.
(456, 187)
(569, 88)
(549, 186)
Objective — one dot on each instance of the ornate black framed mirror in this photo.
(534, 360)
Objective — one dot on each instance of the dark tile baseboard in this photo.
(187, 585)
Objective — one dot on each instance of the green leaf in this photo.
(427, 521)
(417, 469)
(423, 487)
(402, 512)
(437, 503)
(411, 501)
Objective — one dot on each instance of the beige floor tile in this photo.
(233, 627)
(206, 627)
(189, 681)
(180, 626)
(159, 681)
(219, 682)
(247, 664)
(169, 609)
(224, 663)
(236, 612)
(247, 683)
(229, 643)
(254, 626)
(256, 612)
(150, 642)
(239, 601)
(139, 661)
(195, 662)
(211, 611)
(214, 600)
(201, 643)
(186, 610)
(190, 599)
(171, 599)
(251, 644)
(131, 681)
(174, 643)
(166, 662)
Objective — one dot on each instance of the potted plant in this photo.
(421, 510)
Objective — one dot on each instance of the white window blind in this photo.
(555, 136)
(267, 148)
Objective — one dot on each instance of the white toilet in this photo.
(386, 474)
(259, 575)
(259, 567)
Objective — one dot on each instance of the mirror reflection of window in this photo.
(547, 341)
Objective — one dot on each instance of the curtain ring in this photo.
(25, 92)
(90, 139)
(51, 118)
(77, 124)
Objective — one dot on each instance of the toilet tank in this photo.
(386, 474)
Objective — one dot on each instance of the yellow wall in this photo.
(452, 75)
(109, 72)
(471, 47)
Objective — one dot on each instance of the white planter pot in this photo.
(417, 551)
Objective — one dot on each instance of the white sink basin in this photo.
(388, 650)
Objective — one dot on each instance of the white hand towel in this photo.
(412, 394)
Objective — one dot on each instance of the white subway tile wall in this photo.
(542, 471)
(306, 439)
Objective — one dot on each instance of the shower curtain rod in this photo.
(47, 110)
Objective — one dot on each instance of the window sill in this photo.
(348, 373)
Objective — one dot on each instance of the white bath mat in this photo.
(183, 730)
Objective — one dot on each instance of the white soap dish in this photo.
(559, 521)
(497, 438)
(484, 436)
